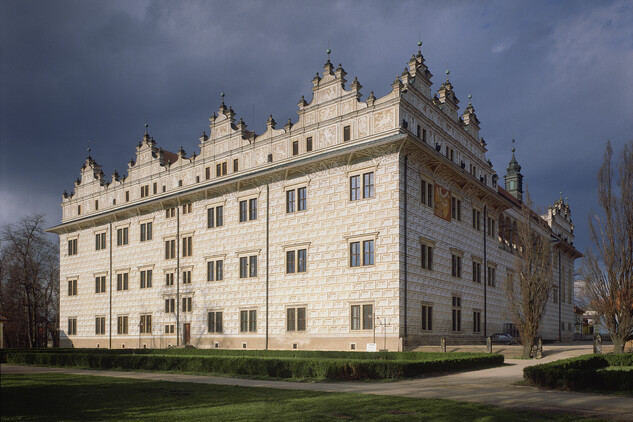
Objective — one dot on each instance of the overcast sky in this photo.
(555, 75)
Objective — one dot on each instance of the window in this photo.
(220, 169)
(214, 322)
(100, 241)
(491, 227)
(78, 209)
(368, 253)
(296, 261)
(215, 270)
(186, 304)
(121, 236)
(555, 295)
(296, 200)
(426, 193)
(207, 173)
(72, 247)
(72, 287)
(309, 144)
(295, 148)
(418, 131)
(146, 324)
(248, 321)
(364, 321)
(170, 212)
(252, 209)
(355, 187)
(235, 165)
(186, 209)
(127, 196)
(72, 326)
(155, 188)
(186, 277)
(427, 317)
(290, 201)
(243, 211)
(144, 191)
(187, 246)
(170, 249)
(347, 133)
(457, 313)
(492, 276)
(424, 135)
(354, 254)
(456, 266)
(215, 217)
(302, 203)
(169, 279)
(100, 284)
(146, 231)
(248, 266)
(427, 257)
(170, 329)
(450, 153)
(170, 305)
(100, 325)
(146, 279)
(456, 209)
(296, 319)
(121, 325)
(477, 272)
(476, 321)
(476, 219)
(96, 205)
(122, 281)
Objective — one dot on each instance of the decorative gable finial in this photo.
(271, 122)
(146, 137)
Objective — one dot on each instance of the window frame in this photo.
(100, 241)
(426, 320)
(427, 195)
(296, 319)
(360, 321)
(145, 278)
(122, 281)
(146, 232)
(217, 325)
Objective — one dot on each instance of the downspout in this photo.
(177, 275)
(110, 328)
(406, 287)
(267, 255)
(485, 274)
(559, 296)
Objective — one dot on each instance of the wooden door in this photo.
(186, 334)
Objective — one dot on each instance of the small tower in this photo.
(514, 178)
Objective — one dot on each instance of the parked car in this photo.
(502, 338)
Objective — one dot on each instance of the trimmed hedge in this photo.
(583, 373)
(278, 367)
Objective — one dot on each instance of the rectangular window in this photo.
(252, 209)
(426, 193)
(170, 249)
(302, 203)
(207, 173)
(296, 319)
(155, 188)
(72, 326)
(290, 201)
(100, 326)
(492, 276)
(121, 325)
(215, 270)
(100, 284)
(169, 279)
(491, 227)
(296, 200)
(347, 133)
(309, 144)
(354, 188)
(368, 185)
(354, 254)
(252, 266)
(100, 241)
(457, 313)
(146, 279)
(456, 209)
(418, 131)
(477, 272)
(427, 257)
(96, 205)
(236, 165)
(122, 281)
(214, 322)
(146, 231)
(368, 252)
(296, 261)
(187, 304)
(72, 247)
(555, 294)
(424, 135)
(295, 148)
(72, 287)
(427, 318)
(215, 217)
(127, 196)
(121, 236)
(450, 153)
(170, 212)
(362, 320)
(220, 169)
(78, 209)
(243, 267)
(476, 219)
(290, 262)
(476, 321)
(243, 211)
(144, 191)
(248, 321)
(456, 266)
(170, 305)
(186, 209)
(186, 277)
(169, 329)
(187, 246)
(146, 324)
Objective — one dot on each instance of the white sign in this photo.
(371, 347)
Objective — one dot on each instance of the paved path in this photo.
(495, 386)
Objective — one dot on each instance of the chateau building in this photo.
(365, 221)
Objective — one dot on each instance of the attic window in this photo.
(235, 166)
(78, 209)
(197, 179)
(207, 173)
(180, 183)
(309, 144)
(270, 158)
(418, 131)
(163, 188)
(295, 148)
(155, 188)
(127, 196)
(114, 202)
(96, 205)
(347, 133)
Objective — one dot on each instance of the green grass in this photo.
(72, 397)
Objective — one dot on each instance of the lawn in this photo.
(73, 397)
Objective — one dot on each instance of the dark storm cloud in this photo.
(554, 75)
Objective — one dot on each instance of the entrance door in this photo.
(186, 333)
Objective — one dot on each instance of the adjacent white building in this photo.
(365, 221)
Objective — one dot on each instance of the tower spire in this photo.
(514, 178)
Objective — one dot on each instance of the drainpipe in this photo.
(406, 287)
(485, 275)
(559, 296)
(178, 275)
(267, 255)
(110, 328)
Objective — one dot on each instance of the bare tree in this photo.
(529, 290)
(29, 283)
(608, 272)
